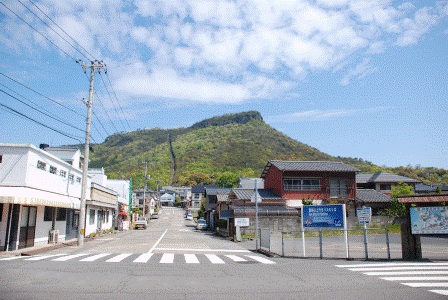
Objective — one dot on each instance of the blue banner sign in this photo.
(323, 216)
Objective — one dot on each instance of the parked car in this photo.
(190, 216)
(141, 223)
(202, 224)
(155, 215)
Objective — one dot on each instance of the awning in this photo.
(35, 197)
(122, 214)
(101, 204)
(263, 211)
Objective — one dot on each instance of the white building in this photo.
(39, 194)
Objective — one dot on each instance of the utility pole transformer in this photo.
(85, 167)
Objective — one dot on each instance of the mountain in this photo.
(216, 150)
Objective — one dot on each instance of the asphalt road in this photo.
(171, 260)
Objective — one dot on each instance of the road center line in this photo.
(158, 241)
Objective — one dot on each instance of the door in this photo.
(27, 226)
(99, 220)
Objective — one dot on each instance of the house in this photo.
(197, 194)
(100, 209)
(39, 195)
(214, 195)
(183, 192)
(316, 181)
(273, 213)
(382, 181)
(167, 198)
(150, 200)
(372, 198)
(421, 188)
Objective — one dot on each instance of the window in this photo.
(53, 170)
(91, 216)
(71, 178)
(197, 196)
(1, 211)
(301, 184)
(48, 213)
(61, 214)
(385, 187)
(106, 217)
(338, 188)
(78, 179)
(41, 165)
(63, 173)
(1, 159)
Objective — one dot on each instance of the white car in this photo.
(190, 217)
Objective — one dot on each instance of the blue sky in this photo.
(352, 78)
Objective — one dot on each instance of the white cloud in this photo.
(361, 70)
(321, 115)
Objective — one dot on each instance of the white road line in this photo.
(236, 258)
(68, 257)
(426, 284)
(406, 273)
(191, 259)
(95, 257)
(45, 256)
(202, 250)
(119, 258)
(214, 259)
(398, 269)
(158, 241)
(440, 292)
(143, 258)
(167, 258)
(416, 278)
(261, 259)
(391, 265)
(12, 257)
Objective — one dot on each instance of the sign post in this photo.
(365, 217)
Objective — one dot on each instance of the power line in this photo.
(41, 124)
(115, 94)
(37, 31)
(113, 103)
(84, 49)
(44, 113)
(38, 93)
(52, 29)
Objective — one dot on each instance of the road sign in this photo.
(364, 215)
(323, 216)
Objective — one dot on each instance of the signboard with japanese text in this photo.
(429, 220)
(323, 216)
(364, 215)
(242, 222)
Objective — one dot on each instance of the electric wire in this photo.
(119, 105)
(41, 124)
(113, 102)
(84, 49)
(37, 31)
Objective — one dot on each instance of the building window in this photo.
(48, 213)
(385, 187)
(41, 165)
(78, 179)
(301, 184)
(1, 211)
(106, 217)
(63, 173)
(91, 216)
(196, 196)
(61, 214)
(71, 178)
(53, 170)
(1, 159)
(338, 188)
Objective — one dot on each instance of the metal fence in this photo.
(371, 243)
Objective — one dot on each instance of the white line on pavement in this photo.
(12, 257)
(45, 256)
(191, 259)
(158, 241)
(441, 292)
(426, 284)
(236, 258)
(416, 278)
(214, 259)
(406, 273)
(95, 257)
(119, 258)
(68, 257)
(391, 265)
(398, 269)
(261, 259)
(143, 258)
(167, 258)
(202, 250)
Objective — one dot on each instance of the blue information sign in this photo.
(323, 216)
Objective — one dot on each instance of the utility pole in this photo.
(85, 167)
(144, 189)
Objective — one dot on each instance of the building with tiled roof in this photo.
(382, 181)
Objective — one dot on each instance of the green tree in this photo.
(395, 208)
(227, 180)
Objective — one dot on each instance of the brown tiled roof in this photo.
(327, 166)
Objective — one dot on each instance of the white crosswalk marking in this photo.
(95, 257)
(261, 259)
(119, 258)
(214, 259)
(68, 257)
(417, 275)
(191, 259)
(143, 258)
(167, 258)
(236, 258)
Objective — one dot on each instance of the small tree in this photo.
(395, 208)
